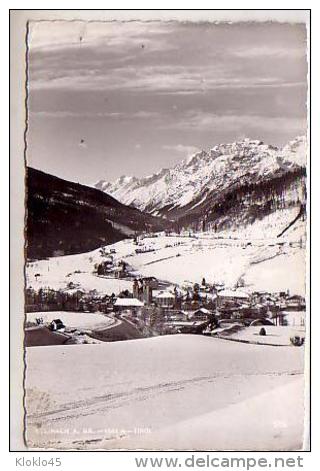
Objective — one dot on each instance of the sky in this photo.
(129, 98)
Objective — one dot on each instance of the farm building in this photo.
(201, 314)
(125, 304)
(177, 316)
(164, 299)
(230, 298)
(295, 303)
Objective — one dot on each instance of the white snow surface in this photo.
(227, 424)
(78, 320)
(58, 272)
(276, 335)
(266, 263)
(170, 392)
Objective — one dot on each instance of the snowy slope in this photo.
(255, 253)
(281, 430)
(79, 320)
(128, 394)
(189, 183)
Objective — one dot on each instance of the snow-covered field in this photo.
(57, 272)
(77, 320)
(171, 392)
(238, 426)
(272, 264)
(276, 335)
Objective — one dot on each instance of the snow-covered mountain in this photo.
(198, 187)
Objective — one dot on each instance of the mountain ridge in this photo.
(185, 192)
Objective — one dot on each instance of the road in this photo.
(119, 330)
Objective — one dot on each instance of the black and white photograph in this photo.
(166, 215)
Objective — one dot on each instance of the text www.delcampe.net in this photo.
(207, 461)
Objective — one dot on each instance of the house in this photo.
(128, 304)
(295, 302)
(208, 298)
(177, 316)
(145, 249)
(231, 298)
(164, 299)
(190, 327)
(105, 266)
(247, 311)
(201, 314)
(118, 272)
(121, 270)
(57, 324)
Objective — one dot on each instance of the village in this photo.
(151, 307)
(164, 339)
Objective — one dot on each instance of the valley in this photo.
(160, 307)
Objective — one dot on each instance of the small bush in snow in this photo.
(297, 341)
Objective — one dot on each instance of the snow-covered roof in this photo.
(186, 323)
(117, 269)
(177, 314)
(203, 310)
(229, 293)
(128, 302)
(188, 283)
(205, 295)
(164, 294)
